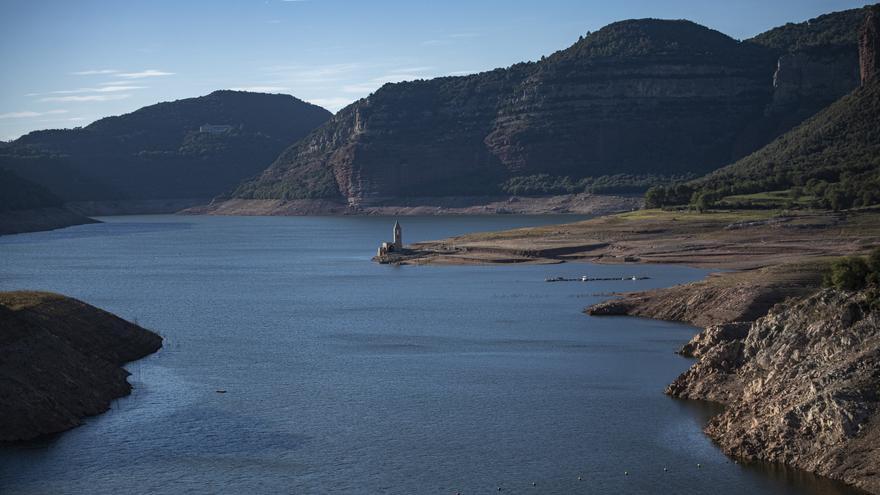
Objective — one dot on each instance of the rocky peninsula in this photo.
(60, 361)
(800, 386)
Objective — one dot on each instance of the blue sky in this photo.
(68, 63)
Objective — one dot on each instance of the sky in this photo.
(68, 63)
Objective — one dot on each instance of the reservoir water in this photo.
(344, 376)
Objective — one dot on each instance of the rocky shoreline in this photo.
(798, 368)
(800, 386)
(61, 360)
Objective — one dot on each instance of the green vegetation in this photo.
(831, 161)
(839, 28)
(857, 273)
(658, 38)
(305, 183)
(545, 184)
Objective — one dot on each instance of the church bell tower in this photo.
(398, 236)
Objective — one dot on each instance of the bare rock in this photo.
(802, 386)
(869, 46)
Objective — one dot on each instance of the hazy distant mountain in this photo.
(641, 97)
(20, 194)
(162, 151)
(28, 207)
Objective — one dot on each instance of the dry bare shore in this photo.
(798, 368)
(581, 204)
(61, 360)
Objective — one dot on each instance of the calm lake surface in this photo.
(344, 376)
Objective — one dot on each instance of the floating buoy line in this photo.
(593, 279)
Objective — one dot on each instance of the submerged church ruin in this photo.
(394, 246)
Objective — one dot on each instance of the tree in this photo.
(849, 273)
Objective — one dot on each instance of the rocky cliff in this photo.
(818, 63)
(869, 46)
(838, 146)
(640, 96)
(60, 360)
(800, 385)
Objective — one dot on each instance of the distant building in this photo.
(394, 246)
(215, 129)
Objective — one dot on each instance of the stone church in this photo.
(394, 246)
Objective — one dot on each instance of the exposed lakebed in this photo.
(346, 376)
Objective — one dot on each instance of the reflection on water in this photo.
(344, 376)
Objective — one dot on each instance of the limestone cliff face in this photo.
(419, 138)
(808, 80)
(818, 63)
(640, 96)
(801, 385)
(869, 46)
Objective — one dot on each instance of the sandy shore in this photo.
(724, 240)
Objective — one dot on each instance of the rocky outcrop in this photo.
(640, 96)
(60, 360)
(719, 300)
(869, 46)
(801, 386)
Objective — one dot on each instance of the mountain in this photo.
(20, 194)
(28, 207)
(160, 152)
(637, 97)
(831, 160)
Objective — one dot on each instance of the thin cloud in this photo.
(28, 114)
(449, 39)
(463, 72)
(71, 119)
(105, 89)
(78, 98)
(262, 89)
(318, 74)
(413, 69)
(375, 83)
(334, 103)
(144, 73)
(94, 72)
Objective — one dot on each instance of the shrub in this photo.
(855, 272)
